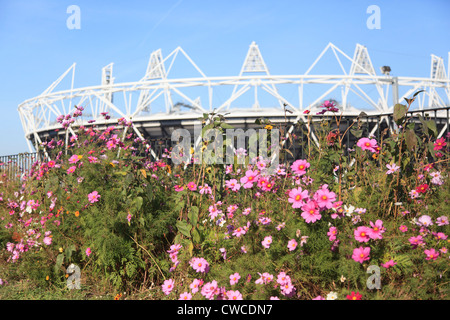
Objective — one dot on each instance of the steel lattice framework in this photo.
(159, 102)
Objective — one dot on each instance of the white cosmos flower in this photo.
(332, 295)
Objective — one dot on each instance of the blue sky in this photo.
(36, 46)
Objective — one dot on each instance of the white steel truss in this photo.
(157, 95)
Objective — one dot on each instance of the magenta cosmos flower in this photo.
(431, 254)
(249, 178)
(367, 144)
(310, 212)
(74, 158)
(332, 233)
(299, 167)
(362, 234)
(439, 144)
(296, 197)
(389, 264)
(192, 186)
(361, 254)
(71, 170)
(377, 230)
(325, 197)
(93, 196)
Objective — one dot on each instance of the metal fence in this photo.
(14, 166)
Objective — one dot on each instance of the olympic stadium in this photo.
(161, 102)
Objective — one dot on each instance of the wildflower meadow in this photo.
(313, 228)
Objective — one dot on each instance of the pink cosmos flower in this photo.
(287, 289)
(210, 289)
(71, 169)
(74, 159)
(362, 234)
(431, 254)
(199, 264)
(392, 168)
(47, 241)
(292, 244)
(442, 221)
(361, 254)
(214, 212)
(439, 144)
(262, 182)
(246, 211)
(310, 212)
(267, 242)
(389, 264)
(367, 144)
(93, 159)
(88, 252)
(425, 221)
(234, 278)
(178, 188)
(239, 232)
(296, 197)
(93, 196)
(192, 186)
(234, 295)
(185, 296)
(416, 241)
(265, 278)
(195, 285)
(324, 197)
(377, 230)
(440, 236)
(232, 184)
(249, 178)
(403, 228)
(299, 167)
(206, 189)
(332, 233)
(168, 286)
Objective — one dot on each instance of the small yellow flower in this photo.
(77, 213)
(268, 127)
(192, 150)
(112, 164)
(47, 278)
(169, 169)
(208, 170)
(80, 157)
(61, 249)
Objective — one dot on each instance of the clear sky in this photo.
(36, 46)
